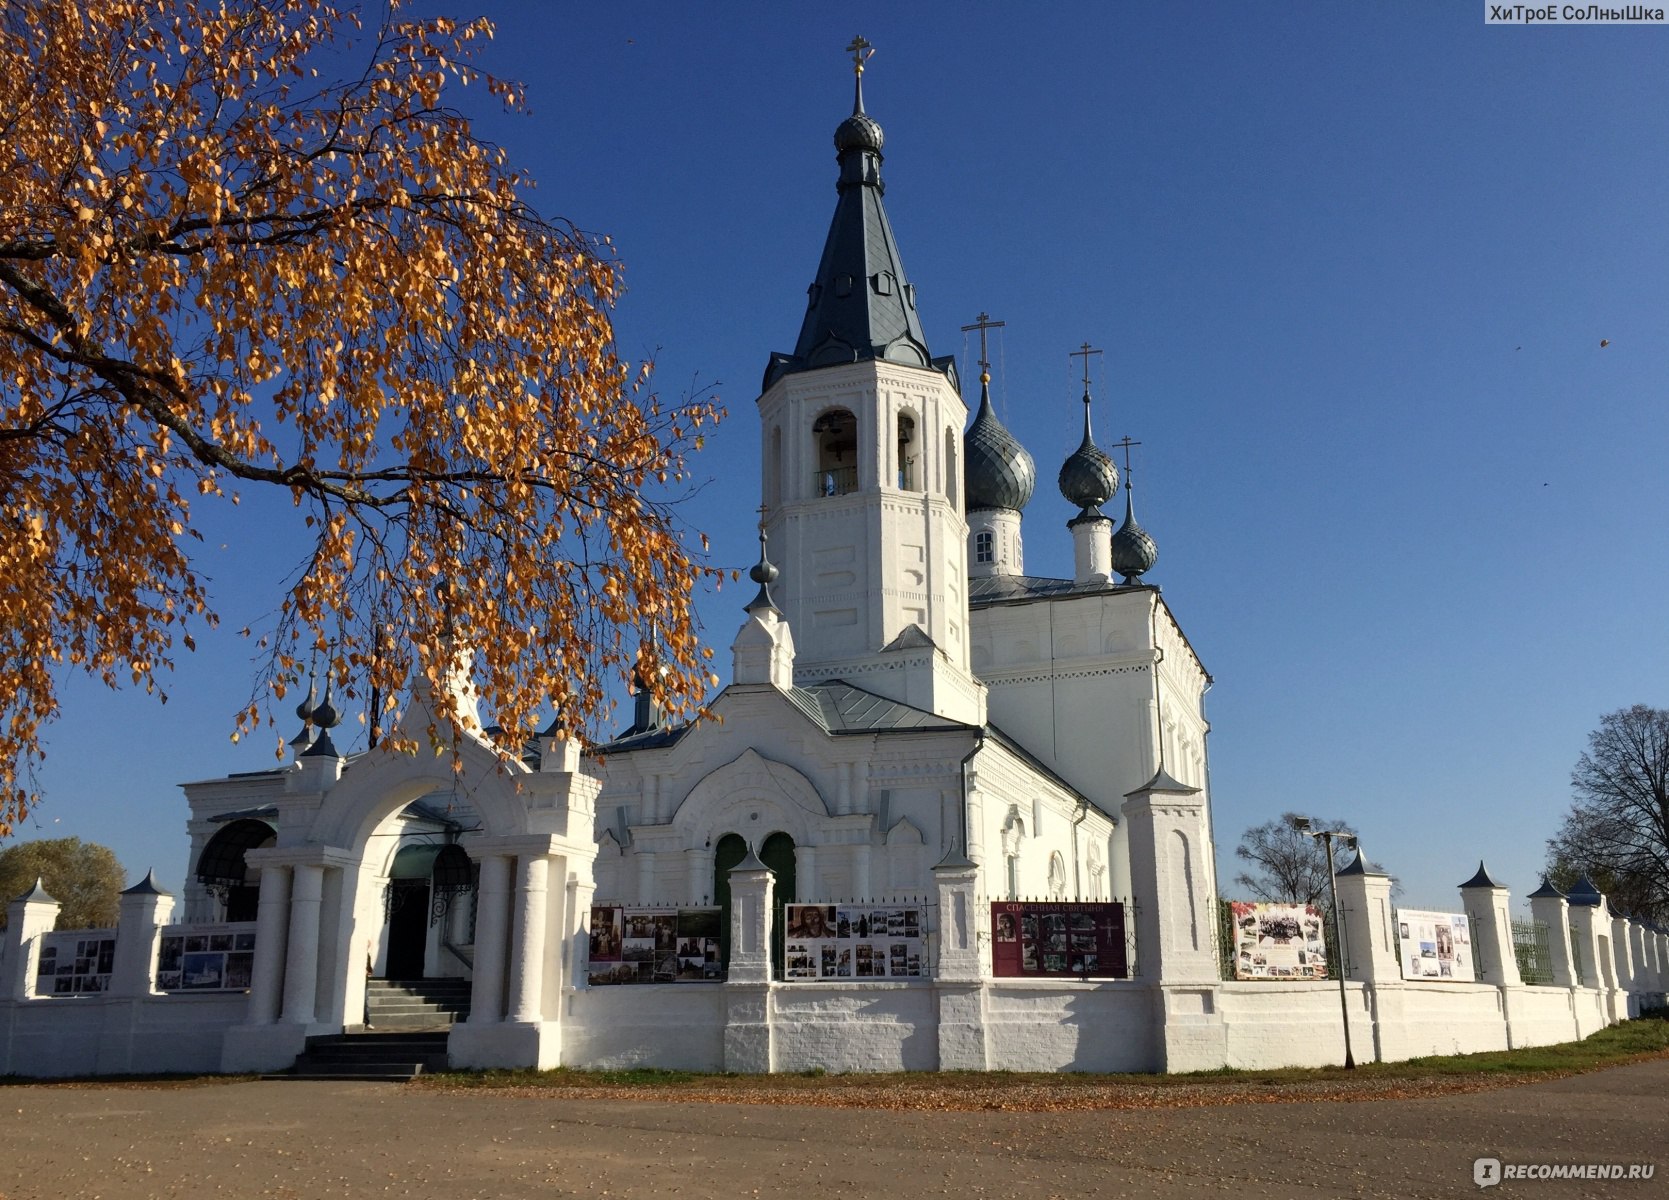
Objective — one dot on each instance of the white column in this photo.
(271, 922)
(578, 924)
(805, 873)
(486, 1006)
(301, 965)
(527, 963)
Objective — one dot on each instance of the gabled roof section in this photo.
(860, 306)
(841, 708)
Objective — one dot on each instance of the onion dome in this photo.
(325, 718)
(1088, 478)
(1000, 473)
(1134, 550)
(860, 131)
(764, 573)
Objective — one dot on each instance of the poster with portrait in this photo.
(1278, 941)
(1081, 939)
(1436, 946)
(653, 945)
(854, 941)
(75, 963)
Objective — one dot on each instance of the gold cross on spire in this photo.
(1084, 354)
(982, 323)
(861, 51)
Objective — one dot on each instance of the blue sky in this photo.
(1351, 267)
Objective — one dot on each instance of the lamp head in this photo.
(1301, 824)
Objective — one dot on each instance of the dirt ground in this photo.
(372, 1140)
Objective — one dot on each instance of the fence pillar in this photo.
(1369, 954)
(1622, 953)
(748, 1037)
(1176, 923)
(1547, 905)
(28, 918)
(1489, 914)
(959, 973)
(145, 908)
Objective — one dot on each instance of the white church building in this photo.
(923, 751)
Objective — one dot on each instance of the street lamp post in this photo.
(1302, 825)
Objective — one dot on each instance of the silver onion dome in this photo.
(1000, 473)
(1088, 477)
(1134, 550)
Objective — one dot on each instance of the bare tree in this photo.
(1284, 865)
(1617, 830)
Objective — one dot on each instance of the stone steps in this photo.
(413, 1004)
(369, 1057)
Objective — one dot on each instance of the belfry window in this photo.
(908, 471)
(836, 434)
(984, 547)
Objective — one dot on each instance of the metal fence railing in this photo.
(1533, 949)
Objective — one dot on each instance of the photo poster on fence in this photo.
(853, 941)
(205, 962)
(654, 945)
(74, 966)
(1279, 941)
(1082, 938)
(1435, 945)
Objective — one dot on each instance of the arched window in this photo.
(222, 870)
(836, 433)
(774, 493)
(729, 851)
(984, 546)
(909, 472)
(778, 854)
(1057, 876)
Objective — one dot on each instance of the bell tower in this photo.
(862, 435)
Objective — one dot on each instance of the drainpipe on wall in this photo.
(1080, 814)
(979, 744)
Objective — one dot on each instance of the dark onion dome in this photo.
(860, 131)
(764, 573)
(1134, 550)
(1088, 478)
(1000, 473)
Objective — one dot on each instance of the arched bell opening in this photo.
(224, 872)
(836, 434)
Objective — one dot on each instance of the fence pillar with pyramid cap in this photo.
(748, 1038)
(1487, 909)
(28, 917)
(1370, 954)
(1622, 953)
(1176, 950)
(1591, 931)
(145, 908)
(1547, 905)
(959, 975)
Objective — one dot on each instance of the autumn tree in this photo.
(1617, 830)
(83, 877)
(251, 244)
(1286, 866)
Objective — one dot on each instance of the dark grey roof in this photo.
(860, 306)
(955, 860)
(1134, 550)
(1546, 891)
(750, 862)
(147, 886)
(999, 472)
(36, 894)
(1088, 477)
(998, 589)
(1481, 879)
(1163, 781)
(1360, 865)
(1585, 894)
(841, 708)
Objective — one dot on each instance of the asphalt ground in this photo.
(305, 1139)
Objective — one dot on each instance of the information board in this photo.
(654, 945)
(1435, 946)
(1082, 938)
(1279, 941)
(854, 941)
